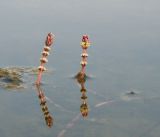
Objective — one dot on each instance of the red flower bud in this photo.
(49, 39)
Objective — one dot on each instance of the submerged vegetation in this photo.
(13, 77)
(10, 78)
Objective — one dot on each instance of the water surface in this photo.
(124, 56)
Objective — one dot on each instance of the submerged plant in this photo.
(10, 78)
(48, 42)
(81, 76)
(43, 103)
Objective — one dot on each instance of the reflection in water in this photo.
(84, 106)
(44, 107)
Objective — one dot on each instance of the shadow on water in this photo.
(43, 103)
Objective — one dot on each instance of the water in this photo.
(124, 56)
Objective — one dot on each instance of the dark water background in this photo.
(124, 56)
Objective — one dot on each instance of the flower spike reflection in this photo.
(48, 42)
(43, 103)
(84, 106)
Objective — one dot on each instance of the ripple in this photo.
(88, 76)
(130, 95)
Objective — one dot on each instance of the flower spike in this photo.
(48, 42)
(85, 43)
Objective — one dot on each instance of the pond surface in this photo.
(123, 88)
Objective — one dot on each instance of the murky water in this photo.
(123, 66)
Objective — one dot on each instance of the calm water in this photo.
(124, 57)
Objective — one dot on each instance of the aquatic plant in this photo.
(43, 59)
(16, 77)
(9, 78)
(43, 103)
(81, 76)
